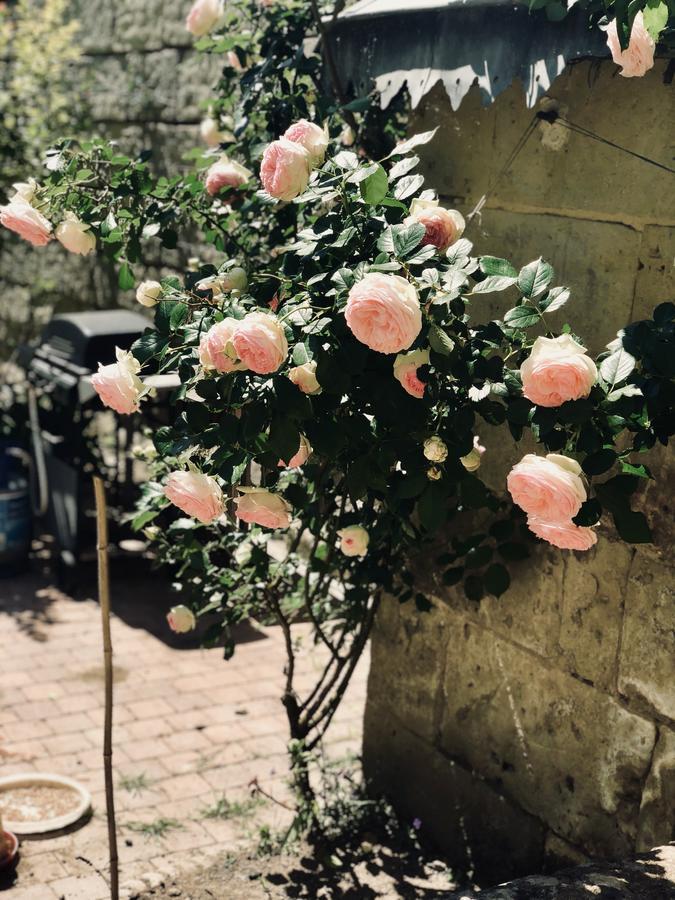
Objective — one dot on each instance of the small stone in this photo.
(153, 880)
(132, 889)
(174, 892)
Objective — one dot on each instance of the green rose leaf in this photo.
(374, 188)
(535, 277)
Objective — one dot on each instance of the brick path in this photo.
(197, 728)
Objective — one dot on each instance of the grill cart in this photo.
(73, 435)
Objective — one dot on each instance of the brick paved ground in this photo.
(195, 727)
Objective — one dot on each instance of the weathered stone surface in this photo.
(569, 754)
(128, 25)
(593, 592)
(479, 829)
(647, 658)
(657, 810)
(650, 876)
(559, 853)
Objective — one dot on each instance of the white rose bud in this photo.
(304, 377)
(435, 450)
(434, 473)
(354, 540)
(147, 293)
(75, 235)
(181, 619)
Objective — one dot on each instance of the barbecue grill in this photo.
(74, 436)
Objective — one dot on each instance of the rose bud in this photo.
(354, 540)
(435, 450)
(181, 619)
(148, 293)
(304, 377)
(203, 16)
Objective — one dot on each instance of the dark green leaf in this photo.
(497, 579)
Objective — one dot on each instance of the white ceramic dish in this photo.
(42, 826)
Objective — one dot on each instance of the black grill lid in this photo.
(87, 338)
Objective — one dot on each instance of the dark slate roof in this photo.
(491, 42)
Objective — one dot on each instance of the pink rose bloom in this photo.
(216, 350)
(196, 495)
(20, 216)
(549, 488)
(118, 384)
(565, 535)
(203, 16)
(557, 370)
(383, 312)
(638, 57)
(261, 507)
(354, 540)
(181, 619)
(304, 377)
(225, 173)
(260, 343)
(301, 457)
(313, 138)
(443, 226)
(405, 371)
(285, 169)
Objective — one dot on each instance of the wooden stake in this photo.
(104, 601)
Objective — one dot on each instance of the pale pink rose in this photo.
(148, 293)
(234, 279)
(304, 377)
(260, 343)
(313, 138)
(261, 507)
(565, 535)
(549, 488)
(181, 619)
(225, 173)
(472, 460)
(203, 16)
(210, 132)
(196, 495)
(285, 169)
(638, 57)
(234, 61)
(118, 384)
(75, 235)
(20, 216)
(383, 312)
(405, 371)
(443, 226)
(216, 350)
(354, 540)
(299, 458)
(557, 370)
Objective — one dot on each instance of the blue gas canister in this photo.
(15, 509)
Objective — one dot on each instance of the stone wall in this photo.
(540, 727)
(143, 84)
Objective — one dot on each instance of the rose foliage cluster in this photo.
(337, 375)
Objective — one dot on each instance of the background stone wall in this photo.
(143, 84)
(542, 724)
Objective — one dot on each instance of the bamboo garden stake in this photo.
(104, 601)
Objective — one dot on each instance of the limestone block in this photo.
(647, 660)
(478, 828)
(656, 824)
(407, 664)
(579, 176)
(655, 279)
(569, 754)
(129, 24)
(593, 591)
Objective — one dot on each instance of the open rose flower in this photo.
(285, 169)
(549, 488)
(260, 343)
(118, 384)
(75, 235)
(472, 460)
(20, 216)
(565, 535)
(299, 458)
(442, 226)
(405, 371)
(435, 449)
(225, 173)
(354, 540)
(383, 312)
(638, 57)
(203, 16)
(313, 138)
(557, 370)
(196, 495)
(216, 350)
(304, 377)
(148, 293)
(181, 619)
(261, 507)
